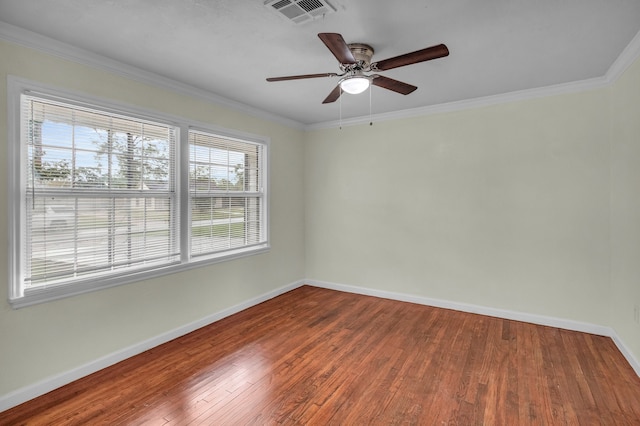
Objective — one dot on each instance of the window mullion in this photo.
(184, 201)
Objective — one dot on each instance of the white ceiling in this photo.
(229, 47)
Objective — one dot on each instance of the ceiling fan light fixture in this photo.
(354, 84)
(355, 60)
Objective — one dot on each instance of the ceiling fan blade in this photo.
(299, 77)
(333, 96)
(338, 47)
(433, 52)
(391, 84)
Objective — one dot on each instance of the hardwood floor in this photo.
(317, 356)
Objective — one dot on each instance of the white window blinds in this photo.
(104, 194)
(99, 193)
(226, 193)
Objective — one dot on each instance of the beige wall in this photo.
(625, 207)
(504, 206)
(40, 341)
(530, 206)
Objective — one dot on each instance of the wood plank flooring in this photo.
(317, 356)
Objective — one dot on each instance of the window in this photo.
(100, 198)
(225, 193)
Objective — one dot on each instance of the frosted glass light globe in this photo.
(354, 85)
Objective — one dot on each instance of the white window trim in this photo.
(17, 86)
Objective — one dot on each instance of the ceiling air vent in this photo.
(300, 11)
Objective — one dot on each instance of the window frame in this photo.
(257, 194)
(20, 297)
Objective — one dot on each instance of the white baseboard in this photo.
(625, 352)
(493, 312)
(40, 388)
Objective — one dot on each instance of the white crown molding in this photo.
(628, 56)
(563, 323)
(36, 41)
(68, 52)
(521, 95)
(47, 385)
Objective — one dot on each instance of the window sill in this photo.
(46, 294)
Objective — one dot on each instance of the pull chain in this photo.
(370, 119)
(340, 101)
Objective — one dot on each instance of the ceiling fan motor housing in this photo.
(362, 53)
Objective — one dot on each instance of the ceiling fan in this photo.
(355, 61)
